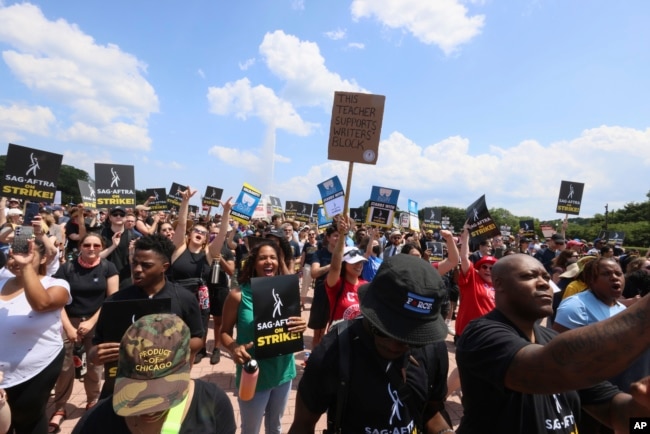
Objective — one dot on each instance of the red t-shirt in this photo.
(476, 298)
(348, 302)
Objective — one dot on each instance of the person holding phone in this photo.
(32, 352)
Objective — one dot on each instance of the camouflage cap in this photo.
(153, 372)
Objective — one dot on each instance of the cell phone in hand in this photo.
(20, 244)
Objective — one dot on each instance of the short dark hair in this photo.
(160, 244)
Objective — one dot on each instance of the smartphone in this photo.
(20, 243)
(31, 210)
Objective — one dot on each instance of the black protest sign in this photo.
(570, 197)
(480, 222)
(159, 202)
(527, 228)
(115, 185)
(174, 196)
(615, 237)
(436, 251)
(87, 192)
(275, 299)
(314, 209)
(291, 209)
(212, 196)
(276, 204)
(299, 211)
(355, 127)
(30, 174)
(357, 215)
(431, 219)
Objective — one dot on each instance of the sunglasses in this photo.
(200, 232)
(353, 253)
(311, 234)
(88, 246)
(486, 267)
(118, 214)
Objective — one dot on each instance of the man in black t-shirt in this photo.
(151, 260)
(393, 360)
(519, 377)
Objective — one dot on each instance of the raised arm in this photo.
(334, 272)
(464, 249)
(451, 260)
(217, 244)
(183, 212)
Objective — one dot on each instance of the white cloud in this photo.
(300, 64)
(86, 161)
(524, 179)
(247, 64)
(115, 134)
(444, 23)
(335, 35)
(201, 73)
(298, 5)
(249, 160)
(103, 86)
(35, 120)
(356, 45)
(243, 100)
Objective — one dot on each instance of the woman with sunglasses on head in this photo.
(192, 259)
(92, 279)
(31, 354)
(275, 373)
(343, 278)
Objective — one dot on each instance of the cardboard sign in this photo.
(480, 222)
(115, 185)
(159, 202)
(275, 299)
(383, 203)
(88, 195)
(174, 197)
(212, 196)
(245, 204)
(31, 174)
(356, 127)
(331, 191)
(570, 197)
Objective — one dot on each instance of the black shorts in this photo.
(453, 293)
(319, 313)
(218, 296)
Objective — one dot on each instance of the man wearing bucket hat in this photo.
(154, 391)
(385, 371)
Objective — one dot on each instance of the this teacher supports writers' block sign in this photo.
(356, 127)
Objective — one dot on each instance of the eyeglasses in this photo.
(200, 232)
(561, 243)
(88, 246)
(486, 267)
(118, 214)
(311, 234)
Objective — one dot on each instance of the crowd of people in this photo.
(549, 335)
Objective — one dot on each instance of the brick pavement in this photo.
(223, 375)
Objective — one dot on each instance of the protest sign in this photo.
(276, 205)
(527, 228)
(174, 197)
(333, 196)
(159, 202)
(114, 185)
(480, 222)
(275, 299)
(436, 251)
(87, 192)
(414, 221)
(299, 211)
(357, 215)
(245, 204)
(431, 218)
(570, 197)
(322, 218)
(355, 128)
(212, 196)
(383, 203)
(31, 174)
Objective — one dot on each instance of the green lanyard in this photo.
(174, 418)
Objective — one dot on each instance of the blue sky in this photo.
(502, 98)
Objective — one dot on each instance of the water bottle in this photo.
(248, 380)
(79, 361)
(204, 296)
(216, 268)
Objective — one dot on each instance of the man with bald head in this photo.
(537, 380)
